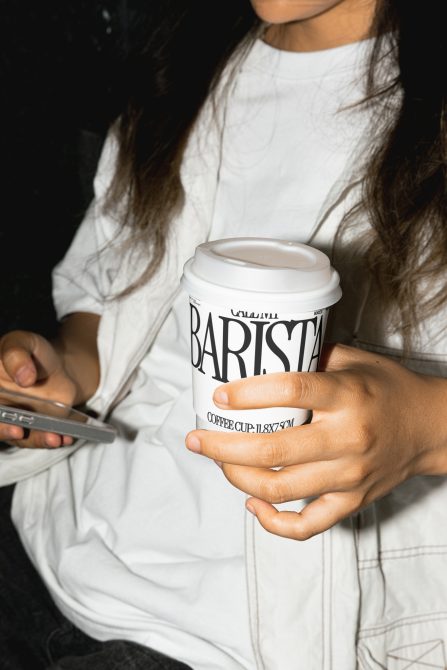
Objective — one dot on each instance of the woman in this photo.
(313, 121)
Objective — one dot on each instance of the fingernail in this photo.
(221, 397)
(193, 443)
(24, 375)
(250, 508)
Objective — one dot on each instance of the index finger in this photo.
(307, 390)
(38, 440)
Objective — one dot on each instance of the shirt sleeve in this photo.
(81, 281)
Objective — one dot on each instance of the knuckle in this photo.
(303, 531)
(361, 437)
(273, 452)
(355, 474)
(12, 352)
(357, 500)
(269, 490)
(11, 339)
(37, 440)
(358, 389)
(297, 386)
(291, 387)
(363, 389)
(365, 433)
(215, 450)
(300, 386)
(268, 455)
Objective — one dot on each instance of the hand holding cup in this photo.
(375, 424)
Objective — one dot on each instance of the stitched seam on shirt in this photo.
(322, 603)
(256, 623)
(409, 621)
(330, 539)
(413, 552)
(417, 546)
(366, 665)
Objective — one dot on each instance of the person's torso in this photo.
(144, 540)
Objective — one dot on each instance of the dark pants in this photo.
(34, 635)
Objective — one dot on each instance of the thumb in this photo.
(16, 353)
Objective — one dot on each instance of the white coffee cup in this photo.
(258, 305)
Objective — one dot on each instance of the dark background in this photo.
(61, 72)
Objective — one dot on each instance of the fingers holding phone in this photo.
(31, 365)
(24, 437)
(32, 421)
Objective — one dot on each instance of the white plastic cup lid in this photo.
(259, 267)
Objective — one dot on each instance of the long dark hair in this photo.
(187, 46)
(404, 184)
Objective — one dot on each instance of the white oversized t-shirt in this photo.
(142, 539)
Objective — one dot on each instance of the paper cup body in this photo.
(257, 306)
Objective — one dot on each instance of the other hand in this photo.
(30, 364)
(374, 425)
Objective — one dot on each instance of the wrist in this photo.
(76, 345)
(84, 384)
(433, 455)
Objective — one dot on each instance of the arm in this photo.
(76, 344)
(68, 368)
(375, 425)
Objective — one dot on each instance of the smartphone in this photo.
(33, 413)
